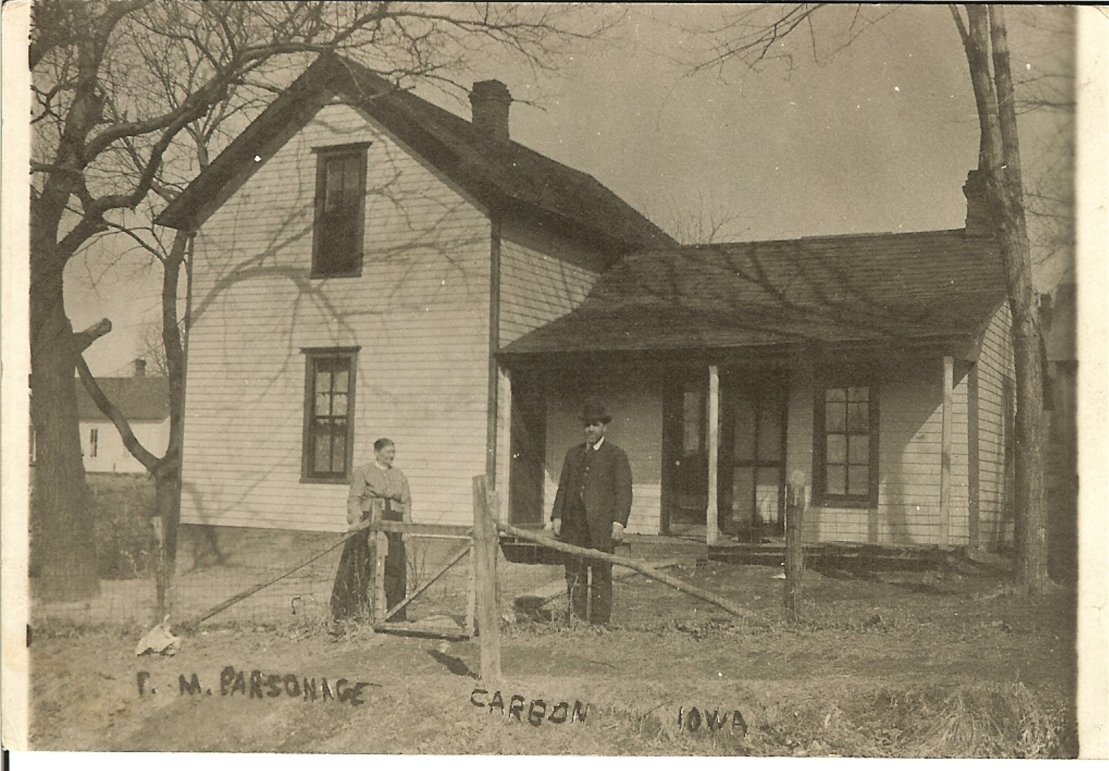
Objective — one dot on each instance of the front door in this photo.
(752, 456)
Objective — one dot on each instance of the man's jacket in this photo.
(603, 480)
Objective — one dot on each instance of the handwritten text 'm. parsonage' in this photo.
(257, 684)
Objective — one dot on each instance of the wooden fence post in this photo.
(485, 580)
(795, 555)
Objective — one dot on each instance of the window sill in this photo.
(317, 275)
(305, 480)
(832, 502)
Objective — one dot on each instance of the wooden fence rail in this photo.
(638, 566)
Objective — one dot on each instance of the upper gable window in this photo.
(340, 210)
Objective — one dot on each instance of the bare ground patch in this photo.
(906, 665)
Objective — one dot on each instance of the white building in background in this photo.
(144, 400)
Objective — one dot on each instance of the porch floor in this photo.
(855, 557)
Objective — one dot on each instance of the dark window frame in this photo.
(94, 442)
(358, 151)
(311, 357)
(821, 497)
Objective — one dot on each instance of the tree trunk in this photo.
(985, 42)
(167, 477)
(1031, 511)
(63, 544)
(167, 506)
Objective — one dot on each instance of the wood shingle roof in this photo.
(138, 398)
(832, 289)
(504, 175)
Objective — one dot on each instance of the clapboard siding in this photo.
(418, 314)
(541, 279)
(995, 395)
(112, 456)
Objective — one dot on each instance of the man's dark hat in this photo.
(592, 411)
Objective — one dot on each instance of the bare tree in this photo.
(706, 222)
(149, 348)
(751, 38)
(130, 98)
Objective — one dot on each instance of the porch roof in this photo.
(874, 288)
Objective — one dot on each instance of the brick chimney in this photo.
(978, 213)
(489, 101)
(140, 367)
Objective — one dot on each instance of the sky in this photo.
(876, 137)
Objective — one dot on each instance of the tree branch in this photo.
(149, 461)
(82, 340)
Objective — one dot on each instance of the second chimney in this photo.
(489, 101)
(979, 222)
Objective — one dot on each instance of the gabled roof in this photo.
(506, 176)
(138, 398)
(834, 289)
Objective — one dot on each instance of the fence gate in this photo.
(432, 557)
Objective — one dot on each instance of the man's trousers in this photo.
(586, 578)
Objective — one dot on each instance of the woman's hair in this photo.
(382, 443)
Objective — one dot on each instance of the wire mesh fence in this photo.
(282, 578)
(292, 571)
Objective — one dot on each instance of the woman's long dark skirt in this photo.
(349, 594)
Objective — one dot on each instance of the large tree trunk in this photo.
(1012, 235)
(63, 545)
(985, 42)
(1031, 539)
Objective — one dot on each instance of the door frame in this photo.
(673, 428)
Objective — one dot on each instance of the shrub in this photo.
(125, 542)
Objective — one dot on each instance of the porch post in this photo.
(712, 531)
(945, 450)
(502, 442)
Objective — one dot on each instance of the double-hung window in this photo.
(328, 414)
(337, 243)
(845, 443)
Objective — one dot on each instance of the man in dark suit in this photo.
(591, 509)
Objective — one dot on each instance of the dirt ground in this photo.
(888, 664)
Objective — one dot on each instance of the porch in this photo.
(874, 370)
(879, 443)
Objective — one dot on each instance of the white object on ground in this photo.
(159, 640)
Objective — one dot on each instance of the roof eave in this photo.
(961, 346)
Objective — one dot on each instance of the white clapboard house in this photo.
(368, 264)
(144, 401)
